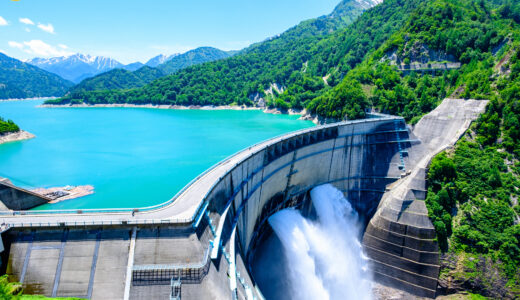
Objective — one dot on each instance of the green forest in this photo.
(8, 126)
(22, 80)
(337, 67)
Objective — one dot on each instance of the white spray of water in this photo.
(325, 256)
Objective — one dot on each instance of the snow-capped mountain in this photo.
(160, 59)
(76, 67)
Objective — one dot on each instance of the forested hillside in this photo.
(21, 80)
(119, 79)
(474, 188)
(237, 79)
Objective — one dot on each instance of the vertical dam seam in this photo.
(57, 276)
(27, 257)
(94, 263)
(130, 265)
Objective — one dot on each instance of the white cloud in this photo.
(26, 21)
(3, 22)
(47, 28)
(13, 44)
(27, 29)
(40, 48)
(63, 46)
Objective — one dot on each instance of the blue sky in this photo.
(132, 30)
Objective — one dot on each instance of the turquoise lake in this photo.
(134, 157)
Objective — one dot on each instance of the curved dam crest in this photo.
(213, 227)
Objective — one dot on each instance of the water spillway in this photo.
(324, 255)
(214, 226)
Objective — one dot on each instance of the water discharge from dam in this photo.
(325, 256)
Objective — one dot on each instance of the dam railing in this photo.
(199, 210)
(163, 274)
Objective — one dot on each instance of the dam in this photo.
(199, 244)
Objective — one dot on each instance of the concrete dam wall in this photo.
(360, 158)
(215, 224)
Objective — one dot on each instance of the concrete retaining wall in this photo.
(15, 198)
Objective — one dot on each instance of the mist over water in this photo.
(324, 256)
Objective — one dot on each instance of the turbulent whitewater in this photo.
(325, 256)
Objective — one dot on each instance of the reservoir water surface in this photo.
(134, 157)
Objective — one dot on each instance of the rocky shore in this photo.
(15, 136)
(303, 113)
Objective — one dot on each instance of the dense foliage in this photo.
(474, 189)
(21, 80)
(429, 35)
(8, 126)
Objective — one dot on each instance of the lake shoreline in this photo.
(16, 136)
(304, 115)
(28, 99)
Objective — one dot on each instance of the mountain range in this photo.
(76, 67)
(125, 79)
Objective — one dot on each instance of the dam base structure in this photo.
(199, 245)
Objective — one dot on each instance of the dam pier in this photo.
(200, 244)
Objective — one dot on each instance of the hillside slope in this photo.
(21, 80)
(241, 77)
